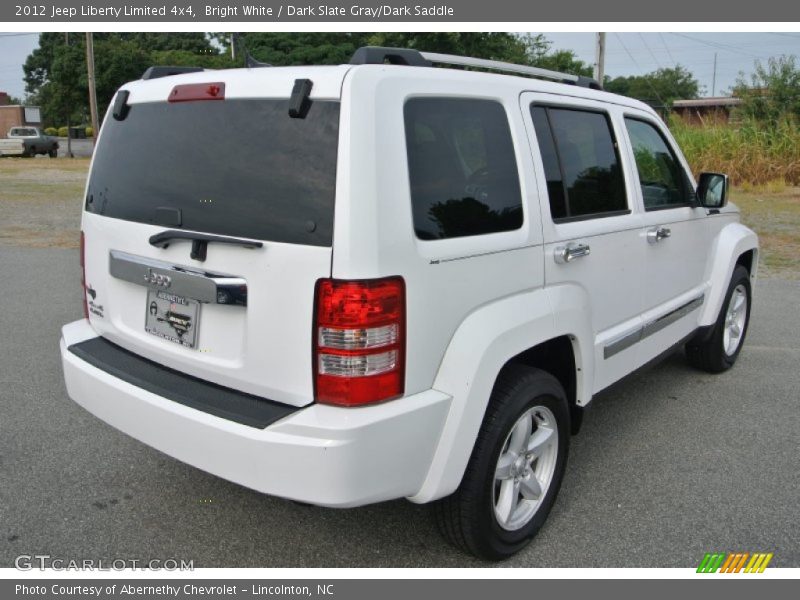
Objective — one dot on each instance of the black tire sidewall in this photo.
(535, 391)
(740, 277)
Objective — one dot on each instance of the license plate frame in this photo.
(171, 317)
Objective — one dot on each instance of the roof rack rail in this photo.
(156, 72)
(376, 55)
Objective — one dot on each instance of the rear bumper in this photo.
(322, 455)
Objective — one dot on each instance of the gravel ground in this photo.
(40, 201)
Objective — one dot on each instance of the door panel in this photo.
(675, 235)
(607, 259)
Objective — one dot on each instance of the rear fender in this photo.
(484, 342)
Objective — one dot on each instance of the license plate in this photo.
(171, 317)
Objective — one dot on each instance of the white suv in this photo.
(349, 284)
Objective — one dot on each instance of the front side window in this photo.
(663, 180)
(462, 168)
(581, 163)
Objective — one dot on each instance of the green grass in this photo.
(775, 217)
(752, 154)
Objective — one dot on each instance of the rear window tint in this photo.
(462, 168)
(242, 168)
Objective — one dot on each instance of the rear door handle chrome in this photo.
(657, 234)
(571, 252)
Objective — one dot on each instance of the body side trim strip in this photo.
(629, 339)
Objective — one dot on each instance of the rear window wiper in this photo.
(199, 241)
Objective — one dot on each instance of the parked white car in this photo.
(406, 282)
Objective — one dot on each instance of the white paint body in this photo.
(473, 303)
(12, 147)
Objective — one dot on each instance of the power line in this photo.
(650, 83)
(658, 64)
(2, 35)
(717, 45)
(666, 47)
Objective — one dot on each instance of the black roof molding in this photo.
(378, 55)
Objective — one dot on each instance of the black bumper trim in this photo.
(181, 388)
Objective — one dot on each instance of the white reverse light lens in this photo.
(357, 366)
(358, 339)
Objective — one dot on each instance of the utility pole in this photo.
(69, 124)
(92, 85)
(714, 78)
(600, 58)
(233, 47)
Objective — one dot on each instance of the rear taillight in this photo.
(359, 341)
(83, 277)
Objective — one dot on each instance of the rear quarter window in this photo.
(462, 168)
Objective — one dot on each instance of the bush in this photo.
(50, 131)
(62, 132)
(89, 132)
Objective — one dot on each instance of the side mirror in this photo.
(712, 190)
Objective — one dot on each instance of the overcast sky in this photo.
(626, 54)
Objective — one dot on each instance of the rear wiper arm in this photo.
(199, 241)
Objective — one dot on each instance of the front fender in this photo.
(484, 342)
(732, 241)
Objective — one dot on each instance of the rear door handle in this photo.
(657, 234)
(571, 252)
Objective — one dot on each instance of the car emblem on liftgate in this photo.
(157, 279)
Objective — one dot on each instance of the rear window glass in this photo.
(242, 168)
(462, 168)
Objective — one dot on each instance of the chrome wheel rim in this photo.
(735, 320)
(525, 468)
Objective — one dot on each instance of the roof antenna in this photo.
(249, 61)
(252, 63)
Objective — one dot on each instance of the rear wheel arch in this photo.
(556, 356)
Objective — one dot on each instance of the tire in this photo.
(720, 349)
(31, 153)
(53, 153)
(471, 517)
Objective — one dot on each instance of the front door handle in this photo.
(657, 234)
(570, 252)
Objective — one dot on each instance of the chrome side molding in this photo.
(203, 286)
(629, 339)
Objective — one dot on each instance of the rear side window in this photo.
(242, 168)
(462, 168)
(663, 180)
(581, 163)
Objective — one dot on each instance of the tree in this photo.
(299, 48)
(540, 53)
(773, 91)
(659, 88)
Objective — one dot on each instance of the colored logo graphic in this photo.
(734, 562)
